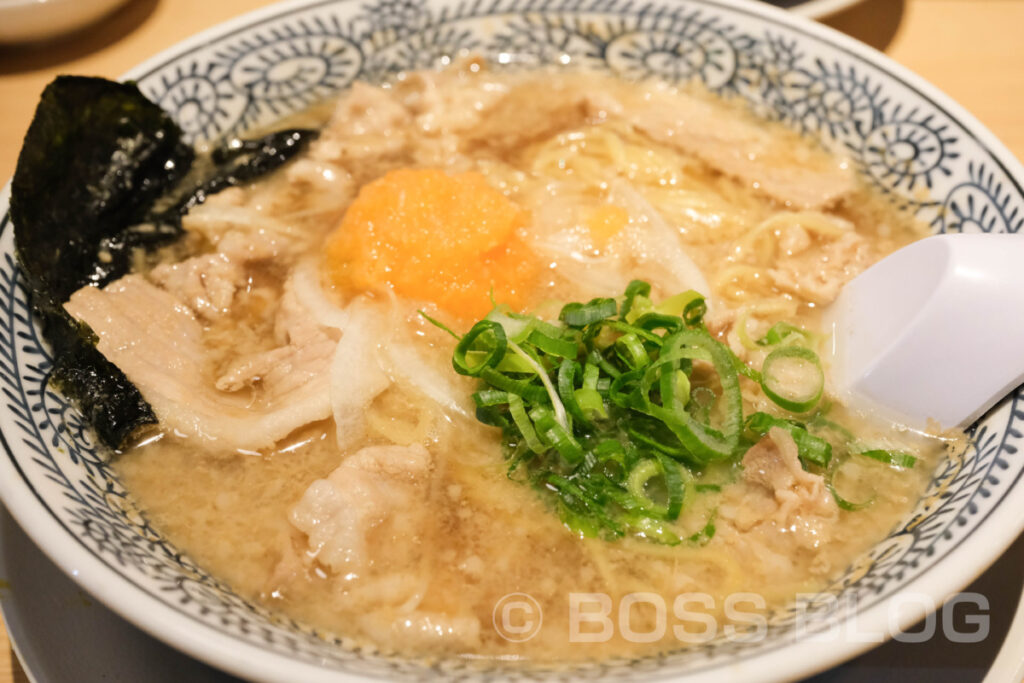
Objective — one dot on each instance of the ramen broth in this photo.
(429, 531)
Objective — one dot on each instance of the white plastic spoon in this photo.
(934, 331)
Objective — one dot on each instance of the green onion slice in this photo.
(581, 315)
(892, 458)
(631, 350)
(785, 333)
(792, 378)
(568, 392)
(678, 305)
(636, 288)
(486, 336)
(556, 346)
(841, 500)
(520, 387)
(676, 482)
(518, 411)
(744, 369)
(703, 441)
(742, 333)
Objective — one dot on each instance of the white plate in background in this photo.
(31, 20)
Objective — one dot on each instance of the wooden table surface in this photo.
(971, 49)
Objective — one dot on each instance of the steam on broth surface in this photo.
(317, 450)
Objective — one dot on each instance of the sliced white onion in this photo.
(661, 243)
(590, 275)
(404, 363)
(356, 373)
(306, 284)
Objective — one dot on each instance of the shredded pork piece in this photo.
(206, 283)
(507, 125)
(375, 492)
(817, 275)
(368, 123)
(364, 522)
(306, 352)
(451, 100)
(796, 501)
(744, 148)
(243, 233)
(443, 105)
(157, 341)
(284, 369)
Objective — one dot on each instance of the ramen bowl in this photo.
(916, 147)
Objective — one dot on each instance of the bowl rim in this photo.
(819, 9)
(961, 563)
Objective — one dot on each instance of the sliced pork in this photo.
(157, 341)
(206, 283)
(374, 497)
(781, 497)
(796, 175)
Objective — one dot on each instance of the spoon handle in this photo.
(935, 330)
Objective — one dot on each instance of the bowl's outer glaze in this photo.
(919, 148)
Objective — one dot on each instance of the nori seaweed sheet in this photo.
(97, 157)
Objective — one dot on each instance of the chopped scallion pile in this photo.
(615, 410)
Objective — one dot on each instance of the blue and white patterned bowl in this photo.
(919, 148)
